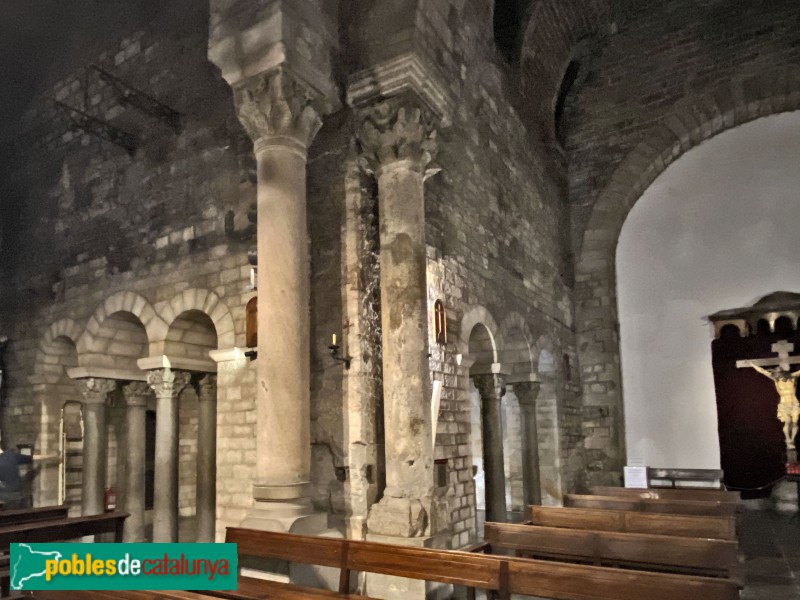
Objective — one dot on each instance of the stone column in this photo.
(276, 112)
(397, 140)
(206, 457)
(526, 392)
(167, 384)
(95, 442)
(492, 388)
(136, 394)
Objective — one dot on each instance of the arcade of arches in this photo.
(443, 196)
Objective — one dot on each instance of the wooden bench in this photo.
(504, 575)
(30, 515)
(669, 493)
(677, 507)
(270, 590)
(56, 530)
(669, 554)
(685, 478)
(723, 528)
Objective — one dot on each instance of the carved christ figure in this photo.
(788, 407)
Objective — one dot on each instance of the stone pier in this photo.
(276, 113)
(492, 388)
(95, 442)
(206, 458)
(136, 394)
(167, 385)
(527, 392)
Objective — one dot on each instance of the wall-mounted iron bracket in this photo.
(94, 126)
(129, 95)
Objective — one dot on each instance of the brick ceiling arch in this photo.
(691, 122)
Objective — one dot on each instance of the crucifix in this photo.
(785, 383)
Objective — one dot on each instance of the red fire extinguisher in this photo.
(110, 500)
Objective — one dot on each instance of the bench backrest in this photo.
(710, 557)
(63, 529)
(669, 493)
(723, 528)
(30, 515)
(678, 507)
(559, 581)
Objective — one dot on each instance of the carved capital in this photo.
(527, 392)
(206, 387)
(96, 391)
(394, 130)
(275, 108)
(136, 393)
(167, 383)
(491, 386)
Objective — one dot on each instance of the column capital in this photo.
(166, 382)
(527, 392)
(491, 386)
(276, 109)
(96, 391)
(206, 387)
(397, 131)
(136, 393)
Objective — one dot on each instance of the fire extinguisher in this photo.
(110, 500)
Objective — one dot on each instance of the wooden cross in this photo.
(783, 360)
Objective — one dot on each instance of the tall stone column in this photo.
(95, 442)
(136, 394)
(527, 392)
(492, 388)
(397, 140)
(275, 110)
(206, 458)
(167, 384)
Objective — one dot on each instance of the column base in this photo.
(389, 586)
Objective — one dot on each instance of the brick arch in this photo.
(689, 124)
(42, 366)
(477, 315)
(130, 302)
(206, 302)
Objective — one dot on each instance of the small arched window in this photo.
(251, 323)
(439, 322)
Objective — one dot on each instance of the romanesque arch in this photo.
(200, 301)
(690, 123)
(122, 303)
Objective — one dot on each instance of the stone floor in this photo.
(770, 547)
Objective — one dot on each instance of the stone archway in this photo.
(691, 123)
(520, 433)
(53, 389)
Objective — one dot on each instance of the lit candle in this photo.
(334, 340)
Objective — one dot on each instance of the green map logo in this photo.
(80, 566)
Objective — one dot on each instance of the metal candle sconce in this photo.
(334, 348)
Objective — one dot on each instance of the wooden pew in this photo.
(504, 575)
(56, 530)
(270, 590)
(669, 493)
(669, 554)
(30, 515)
(678, 507)
(723, 528)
